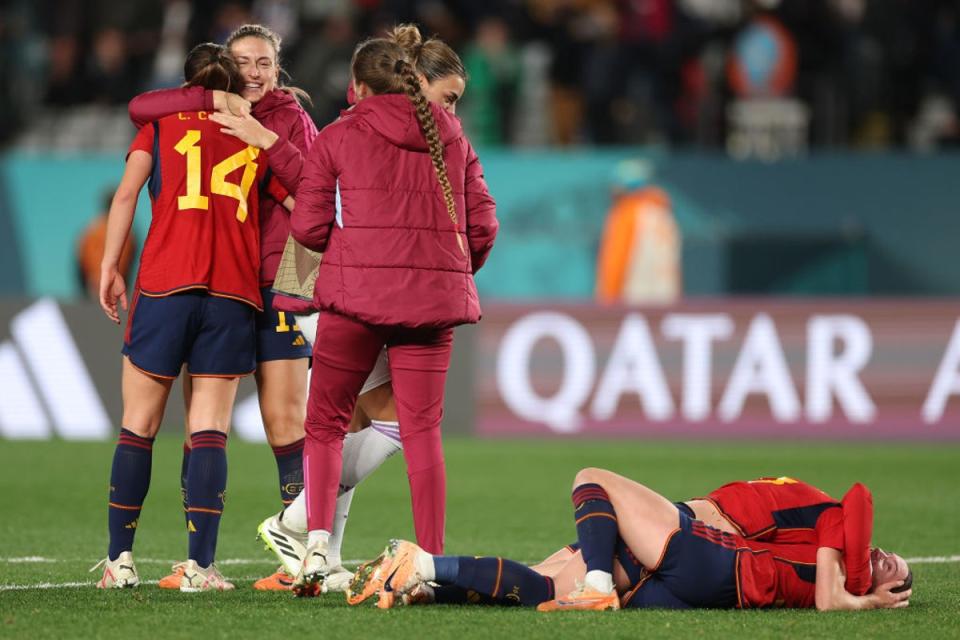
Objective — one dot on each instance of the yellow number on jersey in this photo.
(239, 192)
(780, 481)
(189, 146)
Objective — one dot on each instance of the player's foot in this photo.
(402, 574)
(289, 546)
(421, 594)
(118, 574)
(196, 578)
(278, 581)
(313, 572)
(172, 581)
(368, 579)
(338, 580)
(583, 598)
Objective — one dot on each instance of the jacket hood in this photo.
(393, 117)
(276, 100)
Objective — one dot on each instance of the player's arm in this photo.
(154, 105)
(832, 596)
(481, 212)
(122, 209)
(312, 219)
(285, 157)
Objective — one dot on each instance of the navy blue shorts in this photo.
(697, 570)
(278, 336)
(213, 336)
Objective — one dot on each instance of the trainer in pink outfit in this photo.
(394, 273)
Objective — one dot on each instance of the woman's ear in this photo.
(362, 90)
(424, 83)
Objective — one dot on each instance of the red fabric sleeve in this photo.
(829, 529)
(143, 141)
(312, 219)
(482, 222)
(154, 105)
(857, 532)
(276, 190)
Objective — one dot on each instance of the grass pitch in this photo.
(504, 498)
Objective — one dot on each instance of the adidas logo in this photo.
(47, 388)
(299, 342)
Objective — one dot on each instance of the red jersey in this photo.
(781, 511)
(205, 231)
(783, 522)
(776, 575)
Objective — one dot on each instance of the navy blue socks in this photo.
(129, 483)
(290, 469)
(490, 580)
(206, 484)
(597, 529)
(184, 465)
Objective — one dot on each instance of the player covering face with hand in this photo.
(637, 549)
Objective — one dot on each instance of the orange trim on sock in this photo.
(595, 515)
(496, 585)
(202, 510)
(124, 506)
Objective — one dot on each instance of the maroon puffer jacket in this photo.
(369, 198)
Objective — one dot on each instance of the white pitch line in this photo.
(933, 560)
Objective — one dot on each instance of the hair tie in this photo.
(398, 67)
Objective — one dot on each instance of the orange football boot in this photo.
(172, 581)
(583, 599)
(278, 581)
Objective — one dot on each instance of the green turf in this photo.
(505, 498)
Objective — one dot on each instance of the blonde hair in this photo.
(382, 64)
(273, 38)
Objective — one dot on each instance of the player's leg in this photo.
(608, 507)
(144, 399)
(153, 353)
(343, 356)
(222, 352)
(418, 364)
(404, 567)
(283, 354)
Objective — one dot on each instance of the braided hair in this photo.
(382, 65)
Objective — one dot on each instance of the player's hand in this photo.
(886, 599)
(231, 103)
(246, 128)
(112, 289)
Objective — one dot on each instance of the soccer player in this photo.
(281, 125)
(394, 194)
(683, 562)
(194, 303)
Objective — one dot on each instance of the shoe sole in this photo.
(280, 547)
(311, 587)
(368, 579)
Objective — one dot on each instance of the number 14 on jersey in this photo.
(189, 146)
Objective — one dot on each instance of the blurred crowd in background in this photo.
(850, 73)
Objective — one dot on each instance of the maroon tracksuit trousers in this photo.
(344, 353)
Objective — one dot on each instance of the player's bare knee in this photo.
(589, 475)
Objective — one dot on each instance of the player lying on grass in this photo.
(766, 543)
